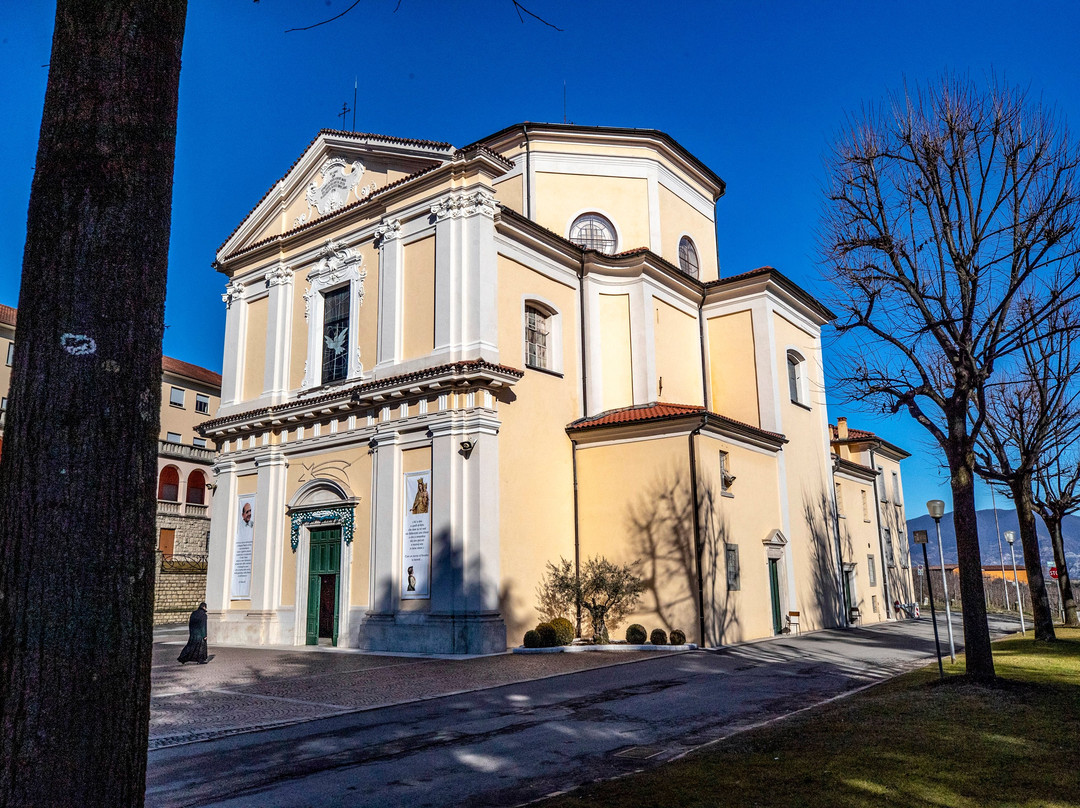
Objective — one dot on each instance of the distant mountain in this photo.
(988, 539)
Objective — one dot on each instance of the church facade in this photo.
(446, 368)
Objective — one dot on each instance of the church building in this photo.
(447, 367)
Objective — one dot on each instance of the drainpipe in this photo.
(704, 364)
(845, 618)
(581, 312)
(881, 539)
(697, 532)
(577, 533)
(528, 173)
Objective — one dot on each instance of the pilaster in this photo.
(232, 365)
(270, 530)
(279, 280)
(222, 520)
(391, 284)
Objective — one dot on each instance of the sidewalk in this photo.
(250, 689)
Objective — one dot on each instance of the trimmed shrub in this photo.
(564, 631)
(658, 637)
(635, 634)
(678, 637)
(549, 638)
(532, 639)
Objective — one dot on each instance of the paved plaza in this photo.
(291, 728)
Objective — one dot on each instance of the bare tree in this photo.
(945, 208)
(77, 493)
(1023, 413)
(1055, 496)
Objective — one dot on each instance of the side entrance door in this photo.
(324, 572)
(774, 591)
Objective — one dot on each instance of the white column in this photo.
(391, 280)
(479, 303)
(232, 365)
(222, 523)
(279, 280)
(270, 523)
(386, 524)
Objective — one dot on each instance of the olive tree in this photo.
(606, 591)
(947, 206)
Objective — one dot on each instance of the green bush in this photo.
(635, 634)
(549, 638)
(658, 637)
(678, 637)
(564, 630)
(532, 639)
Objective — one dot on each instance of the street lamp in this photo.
(1010, 537)
(936, 509)
(920, 538)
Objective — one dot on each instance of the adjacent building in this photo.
(189, 395)
(447, 367)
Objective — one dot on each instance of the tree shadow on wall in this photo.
(825, 570)
(661, 529)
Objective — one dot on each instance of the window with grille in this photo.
(731, 559)
(688, 258)
(593, 232)
(872, 569)
(537, 331)
(335, 355)
(202, 403)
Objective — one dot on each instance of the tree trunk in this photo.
(1053, 524)
(980, 660)
(77, 479)
(1042, 615)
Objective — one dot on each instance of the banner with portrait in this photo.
(242, 543)
(416, 537)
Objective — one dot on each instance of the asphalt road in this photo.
(508, 745)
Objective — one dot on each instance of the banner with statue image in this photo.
(242, 544)
(416, 537)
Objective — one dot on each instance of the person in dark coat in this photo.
(195, 650)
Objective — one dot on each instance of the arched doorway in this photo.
(322, 523)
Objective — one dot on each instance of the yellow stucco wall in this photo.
(255, 349)
(625, 201)
(678, 354)
(635, 507)
(418, 316)
(617, 369)
(536, 509)
(732, 367)
(677, 219)
(511, 193)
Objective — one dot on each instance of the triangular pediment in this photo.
(336, 170)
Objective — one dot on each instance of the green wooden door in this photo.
(774, 587)
(324, 571)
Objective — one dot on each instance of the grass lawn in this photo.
(913, 741)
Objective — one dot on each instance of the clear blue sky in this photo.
(757, 90)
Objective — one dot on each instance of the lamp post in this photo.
(936, 509)
(920, 538)
(1001, 554)
(1010, 537)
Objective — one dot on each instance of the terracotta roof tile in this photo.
(853, 434)
(660, 411)
(199, 374)
(7, 314)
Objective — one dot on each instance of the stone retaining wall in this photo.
(177, 594)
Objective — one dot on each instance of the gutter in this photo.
(577, 533)
(845, 618)
(881, 537)
(697, 533)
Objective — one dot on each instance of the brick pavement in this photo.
(250, 689)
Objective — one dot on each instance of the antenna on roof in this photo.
(344, 111)
(354, 103)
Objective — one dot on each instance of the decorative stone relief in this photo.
(337, 263)
(278, 275)
(233, 291)
(460, 205)
(389, 230)
(342, 515)
(335, 189)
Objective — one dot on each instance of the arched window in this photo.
(795, 376)
(196, 488)
(169, 484)
(537, 331)
(688, 259)
(593, 231)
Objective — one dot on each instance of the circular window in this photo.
(688, 260)
(592, 231)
